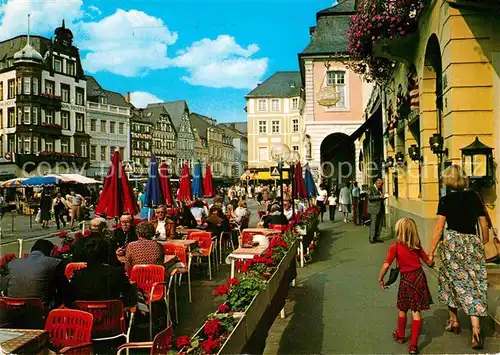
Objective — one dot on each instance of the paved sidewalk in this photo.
(339, 308)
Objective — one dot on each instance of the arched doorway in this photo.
(338, 160)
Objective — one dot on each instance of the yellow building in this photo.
(274, 115)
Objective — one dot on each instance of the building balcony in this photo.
(109, 109)
(50, 129)
(29, 162)
(46, 100)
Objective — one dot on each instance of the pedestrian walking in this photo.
(321, 200)
(413, 293)
(345, 200)
(356, 216)
(332, 205)
(59, 207)
(45, 207)
(76, 204)
(462, 280)
(376, 209)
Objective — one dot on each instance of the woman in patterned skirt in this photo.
(462, 277)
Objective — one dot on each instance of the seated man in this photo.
(288, 209)
(163, 225)
(38, 276)
(125, 234)
(144, 250)
(100, 281)
(275, 217)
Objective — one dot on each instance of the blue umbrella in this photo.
(153, 195)
(197, 182)
(310, 185)
(41, 181)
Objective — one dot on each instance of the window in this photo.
(19, 86)
(49, 117)
(11, 115)
(121, 128)
(122, 152)
(93, 125)
(275, 105)
(103, 153)
(295, 125)
(295, 103)
(64, 146)
(104, 100)
(79, 122)
(49, 87)
(79, 96)
(70, 68)
(65, 119)
(1, 90)
(19, 115)
(35, 86)
(49, 145)
(1, 118)
(262, 105)
(83, 149)
(65, 93)
(262, 127)
(295, 148)
(57, 65)
(27, 85)
(263, 154)
(27, 115)
(275, 126)
(34, 112)
(12, 89)
(26, 144)
(337, 79)
(112, 127)
(10, 143)
(35, 147)
(93, 152)
(103, 126)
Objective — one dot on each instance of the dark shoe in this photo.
(372, 241)
(413, 349)
(379, 241)
(397, 338)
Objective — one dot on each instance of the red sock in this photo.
(401, 326)
(415, 331)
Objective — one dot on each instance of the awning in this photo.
(12, 183)
(37, 181)
(80, 179)
(264, 175)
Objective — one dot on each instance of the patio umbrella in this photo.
(12, 183)
(184, 185)
(197, 181)
(207, 182)
(117, 196)
(310, 185)
(153, 196)
(165, 184)
(299, 186)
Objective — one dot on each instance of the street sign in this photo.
(275, 172)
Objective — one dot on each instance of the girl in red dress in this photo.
(413, 294)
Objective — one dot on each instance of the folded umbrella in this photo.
(165, 184)
(299, 187)
(208, 182)
(197, 181)
(185, 185)
(311, 189)
(153, 194)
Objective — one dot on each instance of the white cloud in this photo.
(141, 99)
(221, 63)
(95, 9)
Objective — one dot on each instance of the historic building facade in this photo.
(164, 135)
(42, 105)
(239, 149)
(108, 123)
(141, 142)
(274, 115)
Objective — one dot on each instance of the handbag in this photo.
(394, 273)
(491, 250)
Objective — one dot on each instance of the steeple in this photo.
(28, 54)
(64, 36)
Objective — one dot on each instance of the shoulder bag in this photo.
(491, 250)
(393, 276)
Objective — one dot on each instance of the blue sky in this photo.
(210, 53)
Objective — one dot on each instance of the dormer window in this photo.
(70, 68)
(58, 65)
(104, 100)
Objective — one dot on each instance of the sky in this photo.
(209, 53)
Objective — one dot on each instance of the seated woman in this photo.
(100, 281)
(144, 250)
(186, 218)
(241, 212)
(198, 210)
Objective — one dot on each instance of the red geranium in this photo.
(269, 261)
(182, 341)
(223, 308)
(233, 282)
(247, 265)
(65, 249)
(62, 234)
(211, 328)
(221, 290)
(270, 253)
(209, 345)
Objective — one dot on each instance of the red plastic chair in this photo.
(161, 344)
(148, 278)
(72, 267)
(11, 307)
(205, 243)
(109, 319)
(179, 250)
(278, 227)
(69, 330)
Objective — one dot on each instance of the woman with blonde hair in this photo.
(462, 278)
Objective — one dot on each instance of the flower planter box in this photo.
(255, 312)
(237, 340)
(277, 278)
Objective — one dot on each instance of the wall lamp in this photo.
(436, 143)
(414, 153)
(400, 159)
(388, 163)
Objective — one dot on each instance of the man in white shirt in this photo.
(287, 209)
(321, 200)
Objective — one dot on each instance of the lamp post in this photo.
(280, 154)
(477, 160)
(293, 160)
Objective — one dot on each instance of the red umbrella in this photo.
(185, 185)
(299, 186)
(165, 184)
(117, 197)
(207, 182)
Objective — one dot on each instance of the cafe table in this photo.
(24, 341)
(184, 232)
(245, 254)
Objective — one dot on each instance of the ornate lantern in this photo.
(400, 159)
(414, 153)
(328, 94)
(477, 161)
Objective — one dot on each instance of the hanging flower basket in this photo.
(328, 96)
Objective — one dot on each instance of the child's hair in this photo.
(407, 233)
